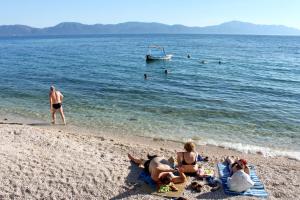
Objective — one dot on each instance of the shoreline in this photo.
(239, 147)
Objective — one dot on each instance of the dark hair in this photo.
(52, 88)
(147, 163)
(165, 180)
(239, 166)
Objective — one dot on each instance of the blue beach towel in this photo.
(257, 190)
(147, 179)
(199, 158)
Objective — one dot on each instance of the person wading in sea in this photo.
(56, 99)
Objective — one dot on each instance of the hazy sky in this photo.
(42, 13)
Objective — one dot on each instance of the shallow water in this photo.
(249, 102)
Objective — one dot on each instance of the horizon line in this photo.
(196, 26)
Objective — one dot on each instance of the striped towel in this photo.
(257, 190)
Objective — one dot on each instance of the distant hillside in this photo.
(73, 28)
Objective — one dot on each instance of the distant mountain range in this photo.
(73, 28)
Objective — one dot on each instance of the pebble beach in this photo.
(40, 161)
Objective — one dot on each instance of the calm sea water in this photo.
(250, 102)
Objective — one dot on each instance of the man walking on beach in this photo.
(56, 99)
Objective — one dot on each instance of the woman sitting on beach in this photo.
(239, 179)
(160, 170)
(188, 159)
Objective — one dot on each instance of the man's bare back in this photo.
(55, 101)
(158, 165)
(56, 97)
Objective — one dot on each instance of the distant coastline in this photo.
(74, 28)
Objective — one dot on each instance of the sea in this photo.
(239, 92)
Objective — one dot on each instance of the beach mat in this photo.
(151, 187)
(257, 190)
(147, 179)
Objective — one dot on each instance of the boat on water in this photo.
(157, 53)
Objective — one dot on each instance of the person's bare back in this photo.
(158, 165)
(55, 101)
(56, 97)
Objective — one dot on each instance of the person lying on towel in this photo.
(160, 169)
(239, 180)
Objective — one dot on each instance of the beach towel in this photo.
(257, 190)
(144, 176)
(151, 187)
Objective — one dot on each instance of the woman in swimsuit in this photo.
(55, 100)
(188, 159)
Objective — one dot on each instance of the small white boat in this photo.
(157, 53)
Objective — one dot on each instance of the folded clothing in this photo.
(199, 158)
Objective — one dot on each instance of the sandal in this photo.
(206, 159)
(196, 186)
(199, 188)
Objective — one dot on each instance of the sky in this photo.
(44, 13)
